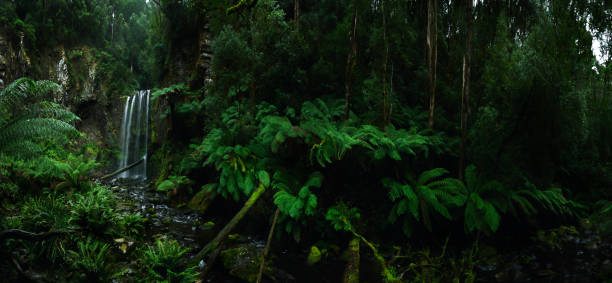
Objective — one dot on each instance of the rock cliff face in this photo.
(74, 69)
(14, 62)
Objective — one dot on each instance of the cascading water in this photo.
(135, 135)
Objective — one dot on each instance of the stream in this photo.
(194, 231)
(164, 221)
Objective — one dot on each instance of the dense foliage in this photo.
(385, 122)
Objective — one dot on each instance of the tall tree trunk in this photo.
(432, 55)
(465, 93)
(296, 13)
(350, 63)
(386, 113)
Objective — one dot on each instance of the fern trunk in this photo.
(351, 272)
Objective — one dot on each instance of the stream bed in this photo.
(563, 254)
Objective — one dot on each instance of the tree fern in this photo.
(485, 200)
(551, 199)
(420, 196)
(22, 117)
(293, 198)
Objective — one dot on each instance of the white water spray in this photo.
(135, 135)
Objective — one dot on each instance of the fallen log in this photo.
(119, 171)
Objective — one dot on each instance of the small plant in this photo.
(174, 183)
(89, 260)
(93, 210)
(74, 171)
(162, 264)
(131, 224)
(45, 214)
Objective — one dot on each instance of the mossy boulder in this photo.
(314, 256)
(243, 262)
(203, 199)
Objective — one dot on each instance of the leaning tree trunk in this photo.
(350, 63)
(465, 93)
(432, 55)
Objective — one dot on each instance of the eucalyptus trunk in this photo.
(432, 55)
(351, 61)
(465, 92)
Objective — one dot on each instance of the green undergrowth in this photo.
(47, 189)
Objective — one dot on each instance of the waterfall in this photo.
(135, 135)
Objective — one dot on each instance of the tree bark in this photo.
(350, 63)
(465, 93)
(230, 225)
(386, 273)
(432, 55)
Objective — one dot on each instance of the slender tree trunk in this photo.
(385, 63)
(296, 13)
(432, 55)
(350, 63)
(267, 248)
(465, 93)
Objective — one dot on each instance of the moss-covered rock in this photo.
(314, 256)
(243, 262)
(203, 199)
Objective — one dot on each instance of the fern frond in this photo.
(16, 95)
(524, 204)
(36, 127)
(431, 198)
(50, 110)
(429, 175)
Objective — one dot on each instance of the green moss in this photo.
(314, 256)
(243, 262)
